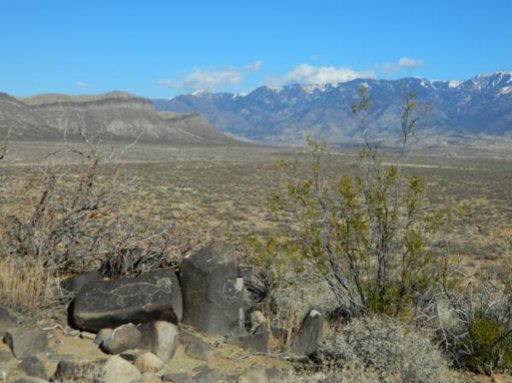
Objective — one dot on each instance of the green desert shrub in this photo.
(367, 233)
(480, 339)
(385, 348)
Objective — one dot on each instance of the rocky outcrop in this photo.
(116, 116)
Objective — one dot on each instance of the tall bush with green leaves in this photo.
(367, 233)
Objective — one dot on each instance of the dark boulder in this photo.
(152, 296)
(212, 291)
(307, 339)
(76, 283)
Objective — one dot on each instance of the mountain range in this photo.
(480, 106)
(116, 116)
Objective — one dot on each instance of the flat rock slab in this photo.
(152, 296)
(212, 293)
(26, 342)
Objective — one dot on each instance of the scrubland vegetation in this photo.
(406, 255)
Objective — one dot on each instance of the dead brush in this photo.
(67, 218)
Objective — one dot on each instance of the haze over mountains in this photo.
(116, 116)
(479, 106)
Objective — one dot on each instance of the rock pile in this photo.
(136, 323)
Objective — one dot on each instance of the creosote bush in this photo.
(368, 234)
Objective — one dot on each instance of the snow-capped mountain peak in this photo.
(482, 104)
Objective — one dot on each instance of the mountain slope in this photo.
(481, 105)
(115, 116)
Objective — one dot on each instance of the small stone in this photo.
(70, 370)
(30, 379)
(148, 362)
(117, 370)
(273, 374)
(186, 337)
(260, 374)
(32, 366)
(256, 342)
(122, 338)
(103, 335)
(131, 355)
(209, 376)
(59, 357)
(161, 338)
(150, 378)
(25, 342)
(199, 350)
(7, 321)
(87, 335)
(5, 356)
(73, 333)
(201, 368)
(181, 377)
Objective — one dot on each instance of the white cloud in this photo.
(313, 75)
(211, 79)
(402, 63)
(82, 84)
(407, 62)
(254, 66)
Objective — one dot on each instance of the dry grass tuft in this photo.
(24, 283)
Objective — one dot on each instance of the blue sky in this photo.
(164, 48)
